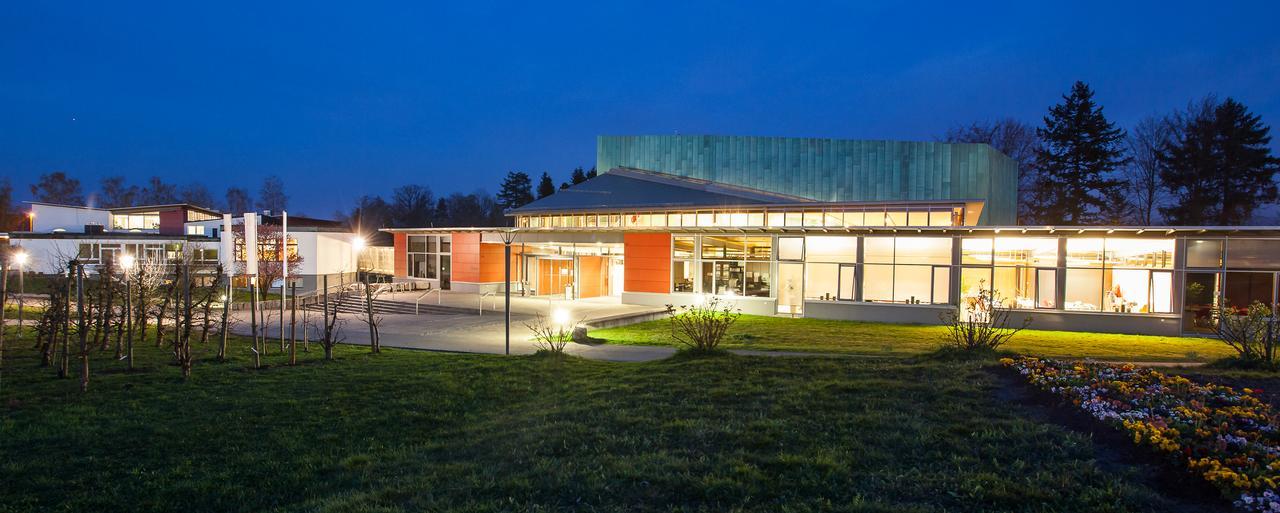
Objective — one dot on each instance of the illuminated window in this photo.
(917, 218)
(837, 249)
(853, 219)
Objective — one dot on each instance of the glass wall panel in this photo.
(813, 218)
(940, 218)
(922, 250)
(1084, 253)
(873, 218)
(853, 219)
(877, 250)
(1014, 287)
(755, 219)
(1241, 289)
(759, 248)
(917, 218)
(895, 218)
(941, 285)
(848, 275)
(1162, 292)
(1047, 288)
(820, 281)
(682, 276)
(1127, 291)
(1205, 253)
(1028, 251)
(974, 280)
(1084, 290)
(912, 284)
(1142, 253)
(1253, 254)
(719, 247)
(877, 282)
(777, 219)
(831, 249)
(833, 219)
(790, 248)
(976, 251)
(790, 284)
(682, 246)
(757, 282)
(794, 219)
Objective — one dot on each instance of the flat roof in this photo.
(107, 236)
(1149, 231)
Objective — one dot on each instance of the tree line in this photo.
(115, 191)
(1206, 164)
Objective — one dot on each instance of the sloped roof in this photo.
(624, 188)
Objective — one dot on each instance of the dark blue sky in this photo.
(350, 98)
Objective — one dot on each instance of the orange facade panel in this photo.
(401, 255)
(647, 263)
(466, 257)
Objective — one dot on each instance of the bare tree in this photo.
(330, 324)
(371, 318)
(1146, 141)
(1011, 137)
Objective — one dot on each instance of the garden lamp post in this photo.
(126, 263)
(508, 236)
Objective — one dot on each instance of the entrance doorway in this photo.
(555, 276)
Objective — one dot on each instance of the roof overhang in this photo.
(1132, 231)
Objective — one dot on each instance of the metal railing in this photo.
(491, 294)
(439, 299)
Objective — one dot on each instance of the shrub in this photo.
(548, 336)
(1251, 332)
(702, 326)
(980, 323)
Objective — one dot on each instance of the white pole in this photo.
(284, 268)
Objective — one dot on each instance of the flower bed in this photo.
(1228, 437)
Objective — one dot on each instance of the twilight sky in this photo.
(349, 98)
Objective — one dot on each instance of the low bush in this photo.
(702, 326)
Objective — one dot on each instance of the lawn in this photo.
(417, 431)
(872, 338)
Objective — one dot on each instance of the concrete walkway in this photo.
(468, 329)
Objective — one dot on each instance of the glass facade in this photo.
(1103, 274)
(428, 255)
(864, 216)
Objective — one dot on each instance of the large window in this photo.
(428, 254)
(1119, 275)
(910, 270)
(1020, 266)
(830, 272)
(135, 221)
(726, 265)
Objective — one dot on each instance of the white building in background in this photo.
(163, 233)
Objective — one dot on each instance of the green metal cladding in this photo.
(830, 169)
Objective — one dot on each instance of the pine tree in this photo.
(545, 186)
(516, 191)
(1219, 166)
(1080, 151)
(592, 173)
(577, 176)
(443, 214)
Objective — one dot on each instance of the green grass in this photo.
(871, 338)
(416, 431)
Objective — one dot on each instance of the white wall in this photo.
(71, 219)
(48, 256)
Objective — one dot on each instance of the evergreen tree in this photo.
(592, 173)
(577, 176)
(516, 191)
(443, 214)
(545, 186)
(1080, 151)
(1218, 166)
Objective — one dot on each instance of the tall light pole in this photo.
(126, 262)
(508, 236)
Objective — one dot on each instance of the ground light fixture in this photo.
(357, 244)
(560, 317)
(20, 258)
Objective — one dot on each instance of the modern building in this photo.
(858, 230)
(163, 233)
